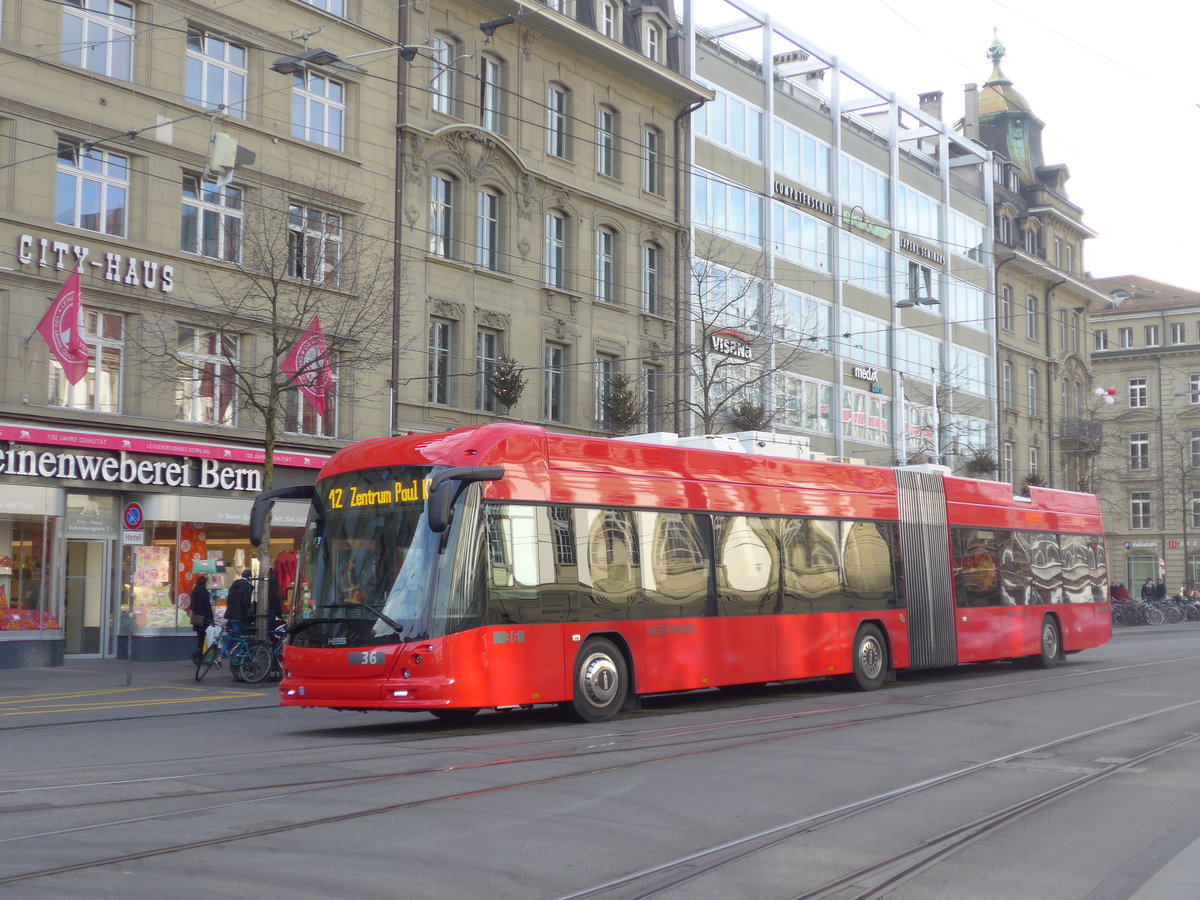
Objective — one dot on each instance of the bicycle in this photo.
(249, 658)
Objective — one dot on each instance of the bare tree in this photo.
(294, 259)
(742, 335)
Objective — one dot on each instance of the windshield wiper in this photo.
(386, 621)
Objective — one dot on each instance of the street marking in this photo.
(95, 701)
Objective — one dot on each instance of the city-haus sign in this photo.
(51, 254)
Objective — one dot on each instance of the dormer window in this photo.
(652, 43)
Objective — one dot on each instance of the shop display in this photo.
(153, 598)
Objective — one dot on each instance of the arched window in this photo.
(443, 190)
(444, 86)
(558, 121)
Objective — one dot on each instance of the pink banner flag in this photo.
(62, 328)
(307, 364)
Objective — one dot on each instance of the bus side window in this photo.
(675, 576)
(747, 565)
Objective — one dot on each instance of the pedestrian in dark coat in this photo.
(202, 613)
(239, 605)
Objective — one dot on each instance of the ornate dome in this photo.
(998, 94)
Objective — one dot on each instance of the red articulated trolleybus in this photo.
(507, 566)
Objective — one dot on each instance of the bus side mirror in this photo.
(266, 500)
(445, 486)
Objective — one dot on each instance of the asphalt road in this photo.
(981, 782)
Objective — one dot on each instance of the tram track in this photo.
(881, 877)
(664, 744)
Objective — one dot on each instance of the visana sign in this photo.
(730, 343)
(121, 270)
(123, 469)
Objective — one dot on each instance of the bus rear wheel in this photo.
(869, 661)
(1051, 645)
(600, 682)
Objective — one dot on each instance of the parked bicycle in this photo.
(249, 658)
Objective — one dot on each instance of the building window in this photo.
(554, 385)
(444, 86)
(1006, 386)
(1031, 318)
(1178, 333)
(1151, 334)
(314, 245)
(442, 189)
(1034, 459)
(650, 287)
(92, 190)
(606, 141)
(1100, 339)
(318, 109)
(556, 250)
(1006, 462)
(333, 7)
(1194, 388)
(440, 336)
(606, 368)
(1069, 262)
(487, 352)
(653, 42)
(1125, 336)
(652, 398)
(920, 281)
(1006, 308)
(606, 244)
(1033, 392)
(98, 36)
(1004, 229)
(1076, 323)
(487, 232)
(1029, 239)
(299, 417)
(558, 119)
(1139, 450)
(652, 180)
(491, 94)
(1139, 393)
(610, 19)
(100, 389)
(1063, 329)
(1058, 253)
(1139, 510)
(1194, 449)
(216, 73)
(211, 223)
(206, 388)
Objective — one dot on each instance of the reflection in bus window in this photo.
(811, 567)
(747, 565)
(1045, 563)
(614, 565)
(677, 573)
(867, 558)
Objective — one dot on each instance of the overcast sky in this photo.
(1115, 84)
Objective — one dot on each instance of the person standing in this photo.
(202, 614)
(239, 605)
(1160, 590)
(274, 599)
(1148, 590)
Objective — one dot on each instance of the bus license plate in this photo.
(366, 658)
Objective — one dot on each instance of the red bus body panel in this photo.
(527, 664)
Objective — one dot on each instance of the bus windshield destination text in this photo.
(411, 492)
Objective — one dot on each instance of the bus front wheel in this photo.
(869, 661)
(600, 682)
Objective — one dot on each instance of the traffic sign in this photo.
(132, 516)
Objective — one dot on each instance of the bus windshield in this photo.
(369, 562)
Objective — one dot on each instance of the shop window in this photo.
(27, 603)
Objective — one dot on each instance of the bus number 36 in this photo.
(366, 658)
